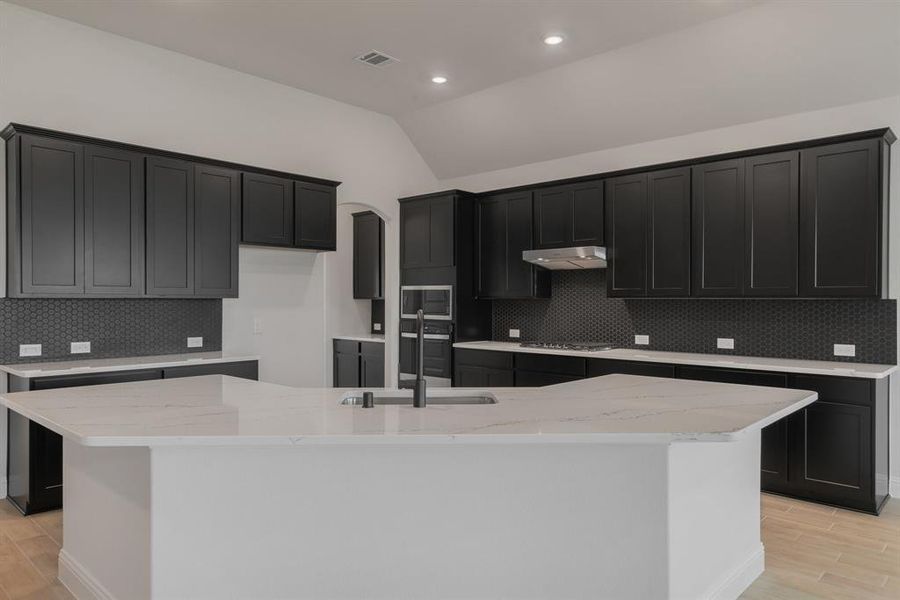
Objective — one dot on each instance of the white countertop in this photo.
(101, 365)
(362, 338)
(217, 410)
(787, 365)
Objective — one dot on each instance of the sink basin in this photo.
(356, 400)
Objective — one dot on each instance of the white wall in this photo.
(61, 75)
(844, 119)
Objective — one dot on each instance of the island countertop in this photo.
(221, 410)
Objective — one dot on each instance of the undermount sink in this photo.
(357, 400)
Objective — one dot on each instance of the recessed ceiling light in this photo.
(552, 40)
(439, 79)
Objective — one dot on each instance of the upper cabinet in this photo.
(368, 256)
(315, 222)
(90, 217)
(267, 210)
(718, 228)
(427, 232)
(504, 230)
(626, 252)
(569, 215)
(843, 219)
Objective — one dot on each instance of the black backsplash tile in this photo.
(114, 327)
(805, 329)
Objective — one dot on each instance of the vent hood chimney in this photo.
(560, 259)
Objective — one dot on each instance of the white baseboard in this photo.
(735, 583)
(79, 581)
(3, 487)
(894, 487)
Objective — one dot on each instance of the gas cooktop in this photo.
(581, 346)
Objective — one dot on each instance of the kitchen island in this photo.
(614, 487)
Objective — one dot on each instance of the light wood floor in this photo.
(812, 552)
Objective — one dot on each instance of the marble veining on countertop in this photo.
(219, 410)
(126, 363)
(373, 337)
(785, 365)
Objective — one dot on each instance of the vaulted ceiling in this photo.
(626, 72)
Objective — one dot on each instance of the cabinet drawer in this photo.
(539, 379)
(484, 358)
(599, 366)
(246, 369)
(346, 346)
(547, 363)
(836, 389)
(65, 381)
(739, 377)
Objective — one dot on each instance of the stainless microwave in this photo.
(436, 301)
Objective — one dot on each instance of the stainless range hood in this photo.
(559, 259)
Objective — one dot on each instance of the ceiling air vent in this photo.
(376, 59)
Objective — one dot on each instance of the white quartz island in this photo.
(616, 487)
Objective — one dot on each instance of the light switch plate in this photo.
(514, 334)
(80, 348)
(195, 342)
(29, 349)
(257, 326)
(725, 343)
(642, 340)
(376, 326)
(845, 349)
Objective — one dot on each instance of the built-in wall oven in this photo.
(437, 352)
(436, 301)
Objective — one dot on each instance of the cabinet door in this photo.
(669, 252)
(315, 220)
(346, 369)
(368, 255)
(170, 227)
(267, 210)
(371, 364)
(217, 230)
(504, 225)
(718, 228)
(113, 222)
(525, 378)
(52, 217)
(427, 232)
(599, 366)
(626, 252)
(472, 376)
(441, 231)
(840, 220)
(569, 215)
(771, 229)
(248, 369)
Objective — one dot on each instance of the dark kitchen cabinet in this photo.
(34, 468)
(368, 256)
(600, 366)
(718, 228)
(839, 454)
(504, 231)
(771, 202)
(315, 221)
(569, 215)
(49, 259)
(113, 222)
(482, 368)
(535, 370)
(267, 210)
(246, 369)
(216, 231)
(626, 218)
(358, 364)
(427, 228)
(669, 233)
(774, 443)
(843, 219)
(170, 227)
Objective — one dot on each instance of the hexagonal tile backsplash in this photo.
(806, 329)
(114, 327)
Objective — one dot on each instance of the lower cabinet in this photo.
(358, 364)
(534, 370)
(483, 368)
(601, 366)
(34, 468)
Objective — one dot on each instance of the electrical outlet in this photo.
(257, 326)
(642, 340)
(725, 343)
(845, 349)
(514, 334)
(376, 326)
(80, 348)
(29, 349)
(195, 342)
